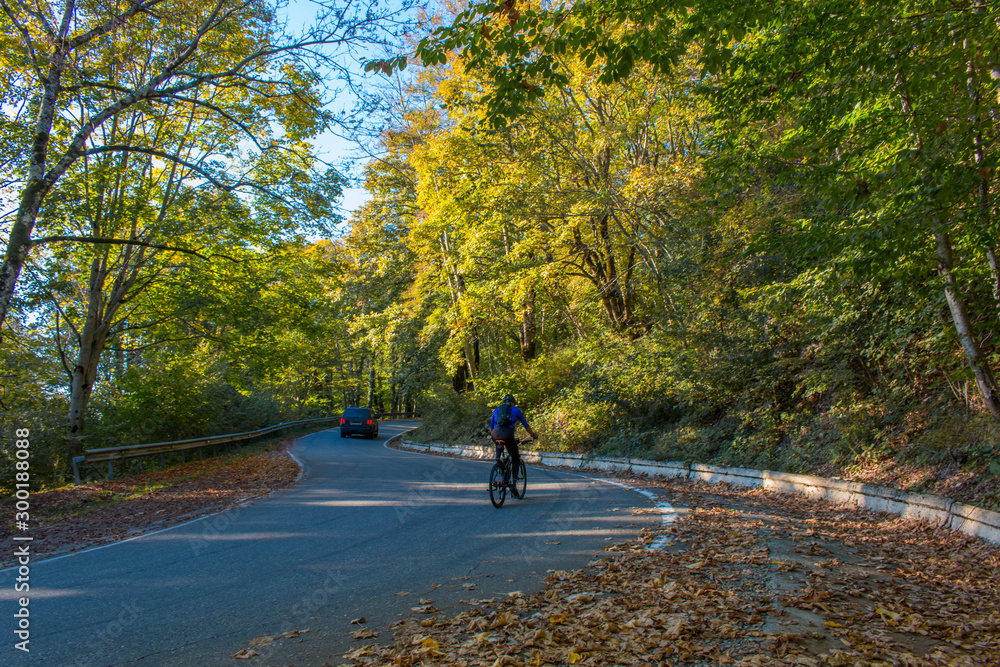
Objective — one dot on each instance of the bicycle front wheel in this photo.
(521, 487)
(498, 488)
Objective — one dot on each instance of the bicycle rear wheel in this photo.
(498, 489)
(521, 487)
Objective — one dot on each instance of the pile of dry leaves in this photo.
(78, 517)
(748, 578)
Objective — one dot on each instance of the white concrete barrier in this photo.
(738, 476)
(945, 512)
(977, 521)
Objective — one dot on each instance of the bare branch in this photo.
(98, 240)
(26, 36)
(124, 148)
(137, 7)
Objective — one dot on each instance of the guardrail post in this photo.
(138, 461)
(77, 460)
(161, 461)
(111, 472)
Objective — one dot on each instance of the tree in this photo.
(884, 111)
(72, 68)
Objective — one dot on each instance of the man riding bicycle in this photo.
(502, 424)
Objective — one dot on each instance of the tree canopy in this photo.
(762, 235)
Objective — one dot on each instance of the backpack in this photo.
(504, 415)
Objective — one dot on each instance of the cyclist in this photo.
(502, 424)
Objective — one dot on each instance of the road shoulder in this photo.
(75, 518)
(746, 577)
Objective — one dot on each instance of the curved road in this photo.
(366, 524)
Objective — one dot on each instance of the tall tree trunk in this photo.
(980, 367)
(459, 381)
(528, 328)
(328, 389)
(18, 244)
(38, 182)
(120, 362)
(93, 337)
(991, 256)
(371, 385)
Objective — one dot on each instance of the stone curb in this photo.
(936, 510)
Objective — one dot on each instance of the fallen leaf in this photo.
(291, 633)
(710, 604)
(424, 609)
(244, 654)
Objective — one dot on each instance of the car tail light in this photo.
(369, 422)
(342, 421)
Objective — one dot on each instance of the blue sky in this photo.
(334, 149)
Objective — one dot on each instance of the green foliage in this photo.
(451, 417)
(176, 397)
(750, 235)
(727, 228)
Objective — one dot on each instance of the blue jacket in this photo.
(515, 414)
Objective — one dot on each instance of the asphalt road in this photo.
(365, 525)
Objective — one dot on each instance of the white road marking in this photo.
(666, 511)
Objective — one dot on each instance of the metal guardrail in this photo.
(112, 454)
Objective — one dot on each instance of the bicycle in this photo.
(500, 480)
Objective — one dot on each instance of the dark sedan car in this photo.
(359, 421)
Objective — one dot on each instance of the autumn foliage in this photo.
(748, 578)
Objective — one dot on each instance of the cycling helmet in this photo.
(509, 398)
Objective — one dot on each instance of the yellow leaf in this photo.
(430, 643)
(574, 658)
(833, 624)
(883, 612)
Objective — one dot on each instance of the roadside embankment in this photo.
(936, 510)
(752, 573)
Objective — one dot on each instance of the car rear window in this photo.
(356, 412)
